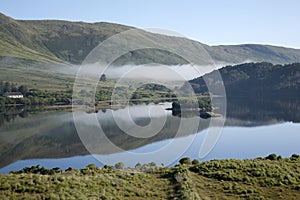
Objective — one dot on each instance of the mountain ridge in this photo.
(65, 42)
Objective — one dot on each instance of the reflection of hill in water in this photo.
(53, 134)
(255, 112)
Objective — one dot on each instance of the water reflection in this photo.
(8, 114)
(53, 135)
(26, 134)
(262, 111)
(235, 142)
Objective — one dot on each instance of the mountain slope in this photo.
(254, 53)
(256, 80)
(57, 41)
(53, 41)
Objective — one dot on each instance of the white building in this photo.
(14, 95)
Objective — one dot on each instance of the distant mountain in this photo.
(53, 41)
(256, 80)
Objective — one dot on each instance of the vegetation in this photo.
(203, 104)
(256, 80)
(217, 179)
(37, 76)
(32, 96)
(119, 165)
(185, 161)
(24, 45)
(53, 41)
(145, 93)
(11, 87)
(187, 107)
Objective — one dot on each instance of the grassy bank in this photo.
(262, 178)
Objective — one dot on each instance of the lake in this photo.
(148, 133)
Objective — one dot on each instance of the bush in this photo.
(119, 165)
(279, 158)
(92, 166)
(138, 166)
(185, 161)
(108, 167)
(272, 156)
(195, 162)
(295, 156)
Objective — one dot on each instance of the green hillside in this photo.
(254, 53)
(272, 177)
(53, 41)
(257, 80)
(50, 41)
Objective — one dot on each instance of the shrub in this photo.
(119, 165)
(56, 170)
(295, 156)
(272, 156)
(195, 162)
(108, 167)
(279, 158)
(92, 166)
(69, 169)
(138, 166)
(185, 161)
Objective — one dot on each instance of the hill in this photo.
(256, 80)
(272, 177)
(53, 41)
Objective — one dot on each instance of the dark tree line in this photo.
(12, 87)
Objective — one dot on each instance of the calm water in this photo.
(252, 129)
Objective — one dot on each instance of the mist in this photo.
(158, 72)
(142, 72)
(130, 71)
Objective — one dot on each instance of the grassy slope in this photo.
(35, 76)
(254, 53)
(218, 179)
(19, 40)
(32, 45)
(63, 41)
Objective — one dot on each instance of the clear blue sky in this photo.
(212, 22)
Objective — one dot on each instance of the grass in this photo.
(217, 179)
(35, 76)
(54, 41)
(88, 183)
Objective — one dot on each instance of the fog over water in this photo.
(149, 71)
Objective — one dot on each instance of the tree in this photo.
(138, 165)
(6, 87)
(23, 89)
(119, 165)
(14, 88)
(103, 78)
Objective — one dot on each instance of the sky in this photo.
(213, 22)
